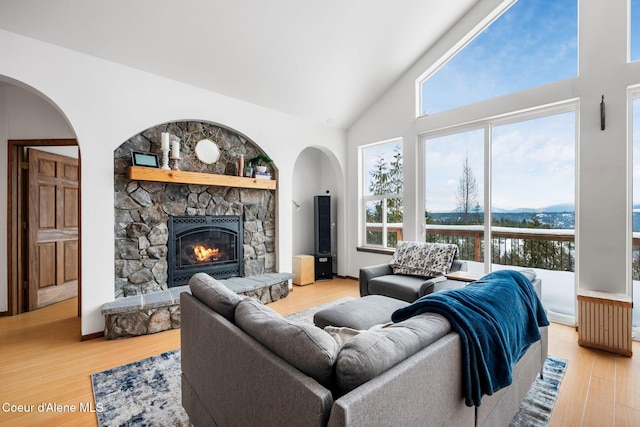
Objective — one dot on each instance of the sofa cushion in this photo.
(304, 346)
(529, 274)
(398, 286)
(361, 313)
(372, 352)
(423, 259)
(216, 295)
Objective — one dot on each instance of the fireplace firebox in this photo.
(209, 244)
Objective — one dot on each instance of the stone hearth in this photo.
(160, 311)
(142, 208)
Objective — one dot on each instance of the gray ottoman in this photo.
(359, 314)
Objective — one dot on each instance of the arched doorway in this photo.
(316, 172)
(44, 268)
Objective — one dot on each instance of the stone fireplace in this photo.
(204, 243)
(143, 208)
(171, 224)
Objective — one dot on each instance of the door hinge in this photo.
(24, 165)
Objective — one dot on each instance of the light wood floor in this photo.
(42, 360)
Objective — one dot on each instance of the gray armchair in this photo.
(380, 280)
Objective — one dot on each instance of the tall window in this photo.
(382, 194)
(531, 161)
(454, 191)
(533, 193)
(531, 44)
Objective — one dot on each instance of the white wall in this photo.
(306, 184)
(32, 117)
(602, 227)
(106, 103)
(4, 135)
(316, 173)
(331, 179)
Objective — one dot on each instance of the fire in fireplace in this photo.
(209, 244)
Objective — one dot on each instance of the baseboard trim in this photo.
(346, 277)
(92, 336)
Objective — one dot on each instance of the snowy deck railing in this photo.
(550, 249)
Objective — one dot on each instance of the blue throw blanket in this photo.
(497, 317)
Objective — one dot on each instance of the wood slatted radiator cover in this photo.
(604, 321)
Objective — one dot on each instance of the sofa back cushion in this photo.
(305, 346)
(423, 259)
(215, 294)
(372, 352)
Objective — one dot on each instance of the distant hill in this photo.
(563, 207)
(559, 216)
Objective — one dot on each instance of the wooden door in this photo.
(52, 228)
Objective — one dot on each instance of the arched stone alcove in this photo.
(142, 208)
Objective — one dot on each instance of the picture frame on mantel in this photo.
(140, 158)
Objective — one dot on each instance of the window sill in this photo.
(383, 251)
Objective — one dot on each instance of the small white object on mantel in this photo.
(175, 149)
(207, 151)
(164, 147)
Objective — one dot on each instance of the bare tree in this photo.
(467, 195)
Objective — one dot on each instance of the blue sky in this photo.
(635, 30)
(533, 164)
(532, 43)
(444, 159)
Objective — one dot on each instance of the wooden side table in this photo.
(303, 270)
(464, 276)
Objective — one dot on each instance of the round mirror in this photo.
(207, 151)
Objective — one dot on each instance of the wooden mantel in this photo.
(139, 173)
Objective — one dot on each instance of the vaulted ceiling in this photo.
(326, 61)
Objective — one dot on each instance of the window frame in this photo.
(631, 33)
(382, 198)
(487, 124)
(453, 51)
(633, 93)
(465, 41)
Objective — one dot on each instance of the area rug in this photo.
(148, 392)
(142, 393)
(536, 408)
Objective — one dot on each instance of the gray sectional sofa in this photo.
(243, 365)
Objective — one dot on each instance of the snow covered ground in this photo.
(558, 295)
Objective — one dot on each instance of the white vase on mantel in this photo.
(261, 169)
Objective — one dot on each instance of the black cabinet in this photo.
(323, 267)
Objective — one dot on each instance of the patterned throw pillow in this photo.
(423, 259)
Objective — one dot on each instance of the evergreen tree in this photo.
(386, 179)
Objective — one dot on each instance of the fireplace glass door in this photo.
(205, 247)
(204, 244)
